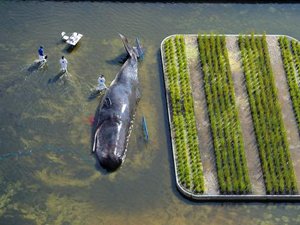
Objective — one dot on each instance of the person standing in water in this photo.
(101, 83)
(63, 64)
(42, 57)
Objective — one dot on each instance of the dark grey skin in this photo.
(116, 113)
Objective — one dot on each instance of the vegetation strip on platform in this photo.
(290, 52)
(232, 171)
(183, 124)
(266, 113)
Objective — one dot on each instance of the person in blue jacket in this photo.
(42, 57)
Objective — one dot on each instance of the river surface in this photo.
(47, 174)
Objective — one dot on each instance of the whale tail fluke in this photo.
(129, 49)
(134, 52)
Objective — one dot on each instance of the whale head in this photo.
(108, 144)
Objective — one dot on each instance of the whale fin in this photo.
(95, 141)
(139, 50)
(129, 49)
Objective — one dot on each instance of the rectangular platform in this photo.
(211, 186)
(74, 39)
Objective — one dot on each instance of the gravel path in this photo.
(251, 151)
(205, 140)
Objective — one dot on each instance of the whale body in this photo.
(115, 114)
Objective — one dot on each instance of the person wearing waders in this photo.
(63, 64)
(101, 83)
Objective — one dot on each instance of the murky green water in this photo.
(47, 175)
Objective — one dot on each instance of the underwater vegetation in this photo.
(7, 194)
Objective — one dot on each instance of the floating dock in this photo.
(233, 111)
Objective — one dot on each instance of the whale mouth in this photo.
(111, 162)
(107, 145)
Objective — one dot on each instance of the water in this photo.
(48, 175)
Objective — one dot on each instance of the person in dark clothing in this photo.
(42, 57)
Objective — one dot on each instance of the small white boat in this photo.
(73, 39)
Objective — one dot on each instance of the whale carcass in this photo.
(116, 111)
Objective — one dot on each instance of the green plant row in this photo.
(290, 53)
(188, 160)
(270, 133)
(232, 170)
(296, 56)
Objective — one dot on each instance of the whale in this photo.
(115, 113)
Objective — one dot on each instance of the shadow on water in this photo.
(70, 48)
(119, 60)
(95, 94)
(56, 77)
(35, 66)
